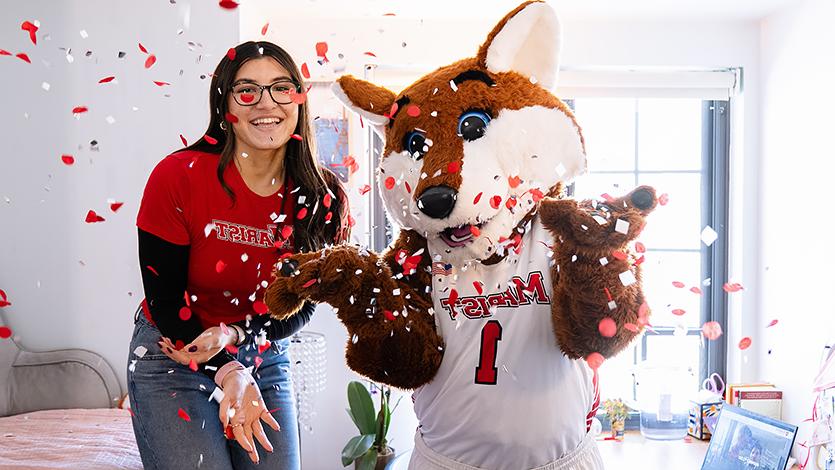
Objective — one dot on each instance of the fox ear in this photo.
(370, 101)
(526, 41)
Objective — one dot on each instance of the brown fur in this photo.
(369, 97)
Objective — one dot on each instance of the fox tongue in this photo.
(461, 232)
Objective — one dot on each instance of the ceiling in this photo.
(718, 10)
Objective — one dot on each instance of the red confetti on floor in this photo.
(92, 217)
(183, 415)
(607, 327)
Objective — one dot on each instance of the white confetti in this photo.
(604, 261)
(208, 229)
(354, 339)
(140, 351)
(302, 198)
(244, 257)
(83, 34)
(110, 119)
(45, 86)
(622, 226)
(453, 86)
(560, 169)
(709, 235)
(627, 278)
(281, 218)
(434, 114)
(612, 305)
(132, 366)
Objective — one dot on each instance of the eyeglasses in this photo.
(250, 94)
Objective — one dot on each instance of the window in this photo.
(680, 147)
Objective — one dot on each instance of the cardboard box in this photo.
(701, 414)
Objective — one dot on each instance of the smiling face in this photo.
(268, 124)
(469, 154)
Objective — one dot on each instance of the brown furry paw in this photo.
(597, 225)
(281, 298)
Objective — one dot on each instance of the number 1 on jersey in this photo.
(486, 373)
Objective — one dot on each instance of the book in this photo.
(766, 401)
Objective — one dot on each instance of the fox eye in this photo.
(415, 143)
(472, 124)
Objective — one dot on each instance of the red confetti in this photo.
(607, 197)
(232, 349)
(151, 268)
(536, 195)
(663, 199)
(228, 4)
(619, 255)
(595, 360)
(328, 216)
(389, 182)
(351, 164)
(258, 361)
(735, 287)
(322, 50)
(495, 202)
(413, 110)
(712, 330)
(477, 197)
(32, 28)
(5, 52)
(392, 110)
(632, 327)
(696, 290)
(192, 364)
(5, 332)
(150, 61)
(231, 53)
(453, 296)
(79, 109)
(305, 71)
(224, 329)
(160, 83)
(298, 98)
(179, 344)
(678, 311)
(478, 287)
(511, 202)
(513, 181)
(408, 187)
(389, 315)
(115, 206)
(3, 299)
(183, 139)
(607, 327)
(264, 28)
(643, 314)
(678, 284)
(142, 48)
(286, 231)
(183, 415)
(475, 231)
(297, 137)
(67, 159)
(308, 283)
(264, 347)
(301, 213)
(211, 140)
(220, 266)
(231, 118)
(745, 343)
(453, 167)
(260, 307)
(326, 201)
(92, 217)
(185, 313)
(772, 323)
(247, 97)
(107, 79)
(364, 189)
(640, 248)
(23, 57)
(369, 53)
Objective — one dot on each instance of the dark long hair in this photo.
(313, 181)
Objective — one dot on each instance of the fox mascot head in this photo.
(473, 146)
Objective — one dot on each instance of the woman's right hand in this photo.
(243, 409)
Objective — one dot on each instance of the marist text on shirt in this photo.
(521, 292)
(244, 234)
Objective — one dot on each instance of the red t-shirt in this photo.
(232, 248)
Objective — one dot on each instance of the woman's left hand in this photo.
(203, 348)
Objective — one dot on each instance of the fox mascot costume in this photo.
(500, 296)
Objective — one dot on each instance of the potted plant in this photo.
(617, 412)
(369, 450)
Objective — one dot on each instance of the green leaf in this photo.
(362, 408)
(357, 446)
(369, 460)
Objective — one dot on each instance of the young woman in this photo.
(215, 218)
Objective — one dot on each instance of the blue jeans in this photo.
(158, 387)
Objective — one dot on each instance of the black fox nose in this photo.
(437, 202)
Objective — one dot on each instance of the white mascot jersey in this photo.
(505, 396)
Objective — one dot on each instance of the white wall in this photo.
(798, 70)
(74, 284)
